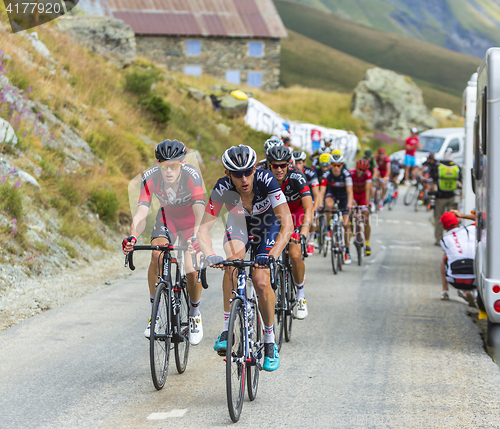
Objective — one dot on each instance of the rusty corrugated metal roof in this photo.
(233, 18)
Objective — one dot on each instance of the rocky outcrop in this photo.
(106, 36)
(233, 106)
(390, 103)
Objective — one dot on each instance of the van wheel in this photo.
(493, 336)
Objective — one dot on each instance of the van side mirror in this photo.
(473, 180)
(477, 152)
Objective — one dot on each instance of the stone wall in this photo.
(218, 55)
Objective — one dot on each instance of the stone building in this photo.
(234, 40)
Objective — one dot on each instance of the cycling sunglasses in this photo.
(171, 165)
(276, 166)
(240, 174)
(337, 165)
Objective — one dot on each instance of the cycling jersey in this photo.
(176, 203)
(175, 213)
(295, 188)
(336, 187)
(359, 186)
(459, 244)
(382, 164)
(262, 222)
(311, 176)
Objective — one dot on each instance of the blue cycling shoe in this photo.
(221, 342)
(271, 357)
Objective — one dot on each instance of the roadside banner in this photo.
(261, 118)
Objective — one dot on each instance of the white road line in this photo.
(407, 222)
(392, 221)
(405, 247)
(170, 414)
(404, 242)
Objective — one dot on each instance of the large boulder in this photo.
(109, 37)
(390, 103)
(233, 106)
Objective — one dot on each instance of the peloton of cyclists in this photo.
(337, 186)
(294, 185)
(179, 188)
(312, 181)
(257, 207)
(362, 184)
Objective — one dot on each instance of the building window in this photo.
(254, 79)
(192, 70)
(233, 76)
(193, 48)
(255, 49)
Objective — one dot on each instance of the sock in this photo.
(195, 308)
(367, 243)
(226, 321)
(269, 334)
(300, 291)
(347, 250)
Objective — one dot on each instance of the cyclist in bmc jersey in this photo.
(312, 181)
(179, 188)
(256, 208)
(384, 170)
(362, 184)
(336, 186)
(299, 198)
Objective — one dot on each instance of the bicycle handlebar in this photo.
(240, 263)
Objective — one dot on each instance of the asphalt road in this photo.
(379, 349)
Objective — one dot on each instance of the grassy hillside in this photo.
(432, 65)
(312, 64)
(479, 16)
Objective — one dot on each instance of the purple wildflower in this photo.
(39, 115)
(52, 136)
(42, 133)
(24, 109)
(213, 158)
(14, 220)
(29, 89)
(25, 134)
(12, 106)
(198, 138)
(17, 184)
(12, 171)
(4, 178)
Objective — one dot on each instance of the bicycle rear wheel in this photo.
(279, 309)
(181, 345)
(341, 252)
(255, 334)
(160, 335)
(235, 360)
(358, 242)
(392, 198)
(334, 250)
(410, 195)
(291, 290)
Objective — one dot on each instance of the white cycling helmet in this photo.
(337, 159)
(299, 155)
(273, 141)
(239, 158)
(323, 149)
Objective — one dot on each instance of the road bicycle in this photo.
(358, 229)
(244, 345)
(170, 313)
(321, 231)
(391, 196)
(414, 191)
(377, 193)
(337, 253)
(423, 197)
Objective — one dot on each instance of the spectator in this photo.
(457, 266)
(411, 145)
(449, 180)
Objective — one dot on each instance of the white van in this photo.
(438, 141)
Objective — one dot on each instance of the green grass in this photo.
(312, 64)
(420, 60)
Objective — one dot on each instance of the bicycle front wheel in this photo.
(279, 309)
(254, 337)
(160, 335)
(334, 250)
(321, 232)
(235, 360)
(410, 195)
(291, 290)
(181, 344)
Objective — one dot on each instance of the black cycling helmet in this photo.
(239, 158)
(272, 142)
(278, 154)
(170, 150)
(299, 155)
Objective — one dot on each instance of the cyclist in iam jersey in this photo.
(179, 188)
(299, 198)
(257, 207)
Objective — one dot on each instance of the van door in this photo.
(456, 147)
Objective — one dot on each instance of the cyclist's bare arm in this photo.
(368, 190)
(318, 202)
(203, 235)
(350, 195)
(198, 210)
(282, 212)
(307, 203)
(137, 227)
(315, 192)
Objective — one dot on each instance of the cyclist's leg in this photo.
(366, 221)
(329, 203)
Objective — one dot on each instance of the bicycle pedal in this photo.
(222, 353)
